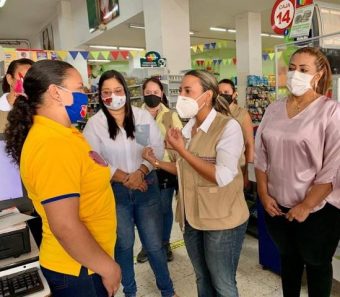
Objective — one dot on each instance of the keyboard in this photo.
(21, 283)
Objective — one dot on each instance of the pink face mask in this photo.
(19, 85)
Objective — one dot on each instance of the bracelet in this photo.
(141, 171)
(156, 164)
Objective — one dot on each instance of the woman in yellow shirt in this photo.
(68, 183)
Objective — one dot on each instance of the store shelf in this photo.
(135, 97)
(134, 86)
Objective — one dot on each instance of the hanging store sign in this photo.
(152, 59)
(282, 15)
(302, 21)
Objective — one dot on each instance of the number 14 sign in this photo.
(282, 15)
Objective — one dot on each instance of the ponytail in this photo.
(20, 121)
(222, 106)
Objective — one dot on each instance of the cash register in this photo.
(20, 273)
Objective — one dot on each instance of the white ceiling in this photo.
(21, 19)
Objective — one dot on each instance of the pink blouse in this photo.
(298, 152)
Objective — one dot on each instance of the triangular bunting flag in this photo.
(229, 61)
(219, 61)
(133, 53)
(234, 60)
(115, 54)
(201, 47)
(271, 56)
(105, 54)
(218, 44)
(84, 54)
(224, 61)
(95, 54)
(124, 54)
(74, 54)
(215, 61)
(62, 55)
(265, 56)
(213, 45)
(207, 46)
(194, 48)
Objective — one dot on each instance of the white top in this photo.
(4, 104)
(229, 148)
(125, 153)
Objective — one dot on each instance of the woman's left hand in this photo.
(136, 181)
(175, 138)
(299, 213)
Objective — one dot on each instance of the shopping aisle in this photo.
(252, 280)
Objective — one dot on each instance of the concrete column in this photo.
(248, 50)
(167, 31)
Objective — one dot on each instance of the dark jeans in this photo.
(311, 243)
(168, 217)
(214, 256)
(142, 209)
(84, 285)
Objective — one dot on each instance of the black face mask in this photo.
(152, 100)
(228, 97)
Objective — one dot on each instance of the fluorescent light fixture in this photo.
(2, 3)
(218, 29)
(99, 61)
(265, 34)
(276, 36)
(136, 26)
(131, 48)
(104, 47)
(231, 30)
(191, 33)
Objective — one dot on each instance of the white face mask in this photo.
(298, 83)
(114, 102)
(187, 107)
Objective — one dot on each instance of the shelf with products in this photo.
(259, 94)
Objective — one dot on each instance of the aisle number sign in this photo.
(282, 15)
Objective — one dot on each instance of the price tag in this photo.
(282, 15)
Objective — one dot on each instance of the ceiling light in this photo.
(99, 61)
(265, 34)
(231, 30)
(136, 26)
(276, 36)
(191, 33)
(104, 47)
(2, 3)
(218, 29)
(131, 48)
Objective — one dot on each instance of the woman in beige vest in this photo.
(211, 207)
(228, 91)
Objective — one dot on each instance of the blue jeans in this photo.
(214, 256)
(142, 209)
(84, 285)
(168, 217)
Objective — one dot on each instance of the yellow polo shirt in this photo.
(57, 163)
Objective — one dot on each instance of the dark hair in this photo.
(229, 82)
(129, 122)
(158, 82)
(322, 64)
(20, 119)
(12, 68)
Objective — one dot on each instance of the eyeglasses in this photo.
(108, 93)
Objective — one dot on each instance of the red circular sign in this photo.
(282, 15)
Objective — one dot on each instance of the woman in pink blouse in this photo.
(297, 160)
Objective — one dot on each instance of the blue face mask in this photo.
(77, 111)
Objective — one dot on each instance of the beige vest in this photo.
(3, 120)
(202, 203)
(238, 113)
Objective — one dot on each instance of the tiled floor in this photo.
(252, 280)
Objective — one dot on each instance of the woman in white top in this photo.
(119, 132)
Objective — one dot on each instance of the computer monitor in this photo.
(12, 190)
